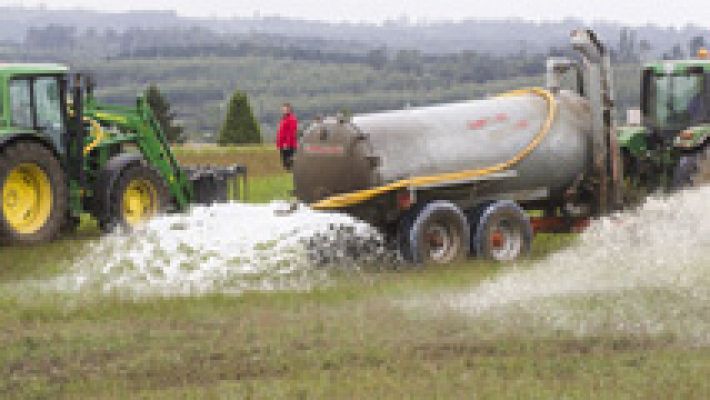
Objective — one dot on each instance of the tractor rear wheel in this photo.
(33, 194)
(138, 195)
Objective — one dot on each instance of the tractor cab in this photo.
(33, 101)
(675, 101)
(668, 147)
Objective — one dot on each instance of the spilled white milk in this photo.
(642, 272)
(225, 248)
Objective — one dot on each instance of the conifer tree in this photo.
(240, 125)
(161, 110)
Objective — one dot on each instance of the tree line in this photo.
(199, 70)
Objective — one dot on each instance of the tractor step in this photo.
(218, 185)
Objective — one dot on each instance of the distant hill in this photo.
(489, 36)
(320, 67)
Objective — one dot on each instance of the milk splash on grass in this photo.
(225, 248)
(642, 272)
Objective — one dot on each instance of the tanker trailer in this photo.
(449, 180)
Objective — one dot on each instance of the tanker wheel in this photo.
(502, 232)
(138, 195)
(33, 194)
(692, 170)
(436, 233)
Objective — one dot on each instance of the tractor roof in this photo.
(677, 66)
(32, 69)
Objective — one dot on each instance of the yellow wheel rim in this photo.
(140, 202)
(27, 199)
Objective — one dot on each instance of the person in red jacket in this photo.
(286, 138)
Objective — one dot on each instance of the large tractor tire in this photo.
(436, 233)
(33, 194)
(693, 170)
(501, 231)
(132, 196)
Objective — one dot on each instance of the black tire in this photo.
(436, 233)
(685, 170)
(692, 170)
(703, 175)
(115, 214)
(502, 232)
(474, 216)
(37, 155)
(70, 225)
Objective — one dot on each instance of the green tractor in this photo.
(63, 154)
(668, 147)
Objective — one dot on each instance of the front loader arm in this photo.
(116, 125)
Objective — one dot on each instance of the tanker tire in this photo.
(435, 233)
(113, 217)
(474, 217)
(38, 155)
(502, 233)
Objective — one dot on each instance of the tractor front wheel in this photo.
(138, 195)
(33, 194)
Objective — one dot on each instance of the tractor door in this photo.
(37, 104)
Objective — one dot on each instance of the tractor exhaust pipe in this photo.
(75, 145)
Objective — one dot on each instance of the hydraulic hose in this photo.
(360, 196)
(97, 132)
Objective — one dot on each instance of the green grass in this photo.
(342, 342)
(267, 188)
(260, 160)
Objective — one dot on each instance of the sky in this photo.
(662, 12)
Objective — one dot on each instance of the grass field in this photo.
(260, 160)
(349, 340)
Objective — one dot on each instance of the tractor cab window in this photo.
(48, 104)
(678, 101)
(21, 103)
